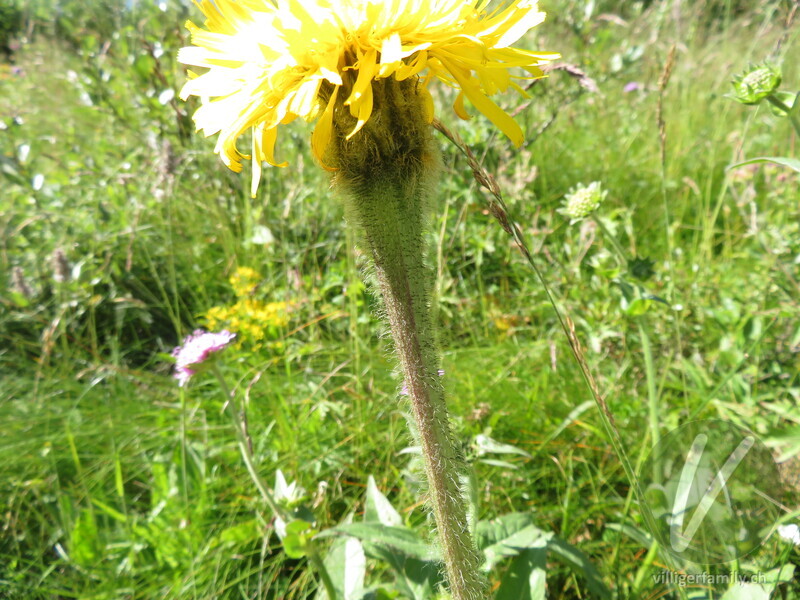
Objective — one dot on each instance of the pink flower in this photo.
(196, 349)
(404, 390)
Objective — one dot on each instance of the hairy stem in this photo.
(391, 217)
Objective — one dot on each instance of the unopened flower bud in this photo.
(756, 83)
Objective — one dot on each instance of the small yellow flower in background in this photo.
(270, 63)
(244, 281)
(252, 320)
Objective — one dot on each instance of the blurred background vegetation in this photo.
(122, 232)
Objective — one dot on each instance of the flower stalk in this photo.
(386, 177)
(402, 280)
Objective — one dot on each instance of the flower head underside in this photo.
(270, 63)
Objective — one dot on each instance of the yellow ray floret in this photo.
(269, 61)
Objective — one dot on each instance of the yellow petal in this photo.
(263, 150)
(391, 55)
(458, 107)
(510, 27)
(493, 112)
(257, 157)
(321, 136)
(305, 98)
(268, 146)
(364, 111)
(366, 73)
(417, 64)
(428, 104)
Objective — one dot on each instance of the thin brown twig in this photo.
(498, 209)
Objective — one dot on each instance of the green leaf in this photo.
(414, 563)
(492, 531)
(84, 544)
(111, 512)
(499, 463)
(241, 533)
(580, 564)
(144, 65)
(486, 445)
(298, 536)
(19, 299)
(415, 579)
(378, 509)
(398, 539)
(641, 537)
(746, 591)
(346, 564)
(525, 578)
(508, 536)
(792, 163)
(782, 574)
(637, 307)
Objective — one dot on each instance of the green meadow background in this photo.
(120, 231)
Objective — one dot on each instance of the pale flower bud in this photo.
(756, 83)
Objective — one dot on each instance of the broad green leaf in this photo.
(241, 532)
(486, 445)
(772, 578)
(377, 507)
(792, 163)
(298, 536)
(581, 565)
(746, 591)
(525, 578)
(414, 563)
(507, 536)
(498, 463)
(524, 539)
(398, 539)
(492, 531)
(415, 579)
(346, 564)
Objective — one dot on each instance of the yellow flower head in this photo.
(244, 281)
(270, 62)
